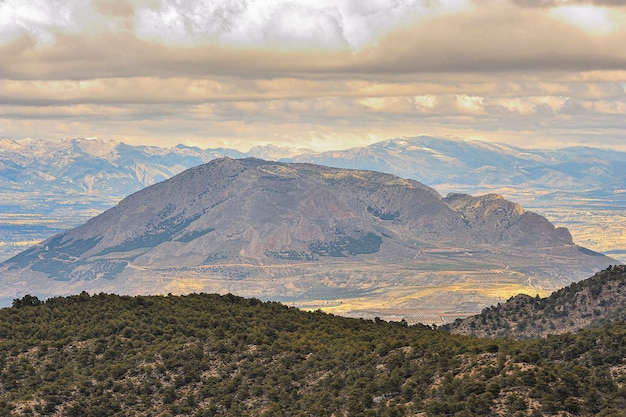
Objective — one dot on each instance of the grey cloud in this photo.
(496, 41)
(556, 3)
(120, 8)
(121, 55)
(471, 45)
(294, 120)
(544, 110)
(140, 89)
(489, 40)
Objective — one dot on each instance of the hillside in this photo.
(587, 303)
(204, 355)
(325, 237)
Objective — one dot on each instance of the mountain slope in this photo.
(302, 232)
(49, 186)
(595, 300)
(111, 168)
(204, 355)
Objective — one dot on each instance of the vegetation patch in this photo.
(194, 235)
(347, 245)
(591, 302)
(205, 355)
(382, 214)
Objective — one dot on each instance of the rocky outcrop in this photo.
(504, 222)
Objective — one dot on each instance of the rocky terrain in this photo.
(355, 242)
(591, 302)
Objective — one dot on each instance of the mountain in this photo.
(587, 303)
(359, 242)
(206, 355)
(49, 186)
(581, 188)
(112, 169)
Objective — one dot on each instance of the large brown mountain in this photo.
(354, 242)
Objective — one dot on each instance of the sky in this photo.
(316, 74)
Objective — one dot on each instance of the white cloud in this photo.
(188, 22)
(245, 23)
(593, 19)
(38, 18)
(472, 104)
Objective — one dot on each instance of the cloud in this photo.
(557, 3)
(473, 41)
(325, 74)
(495, 40)
(188, 22)
(325, 24)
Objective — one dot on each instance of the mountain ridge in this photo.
(272, 229)
(587, 303)
(457, 164)
(441, 159)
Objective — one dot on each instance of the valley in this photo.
(600, 226)
(27, 218)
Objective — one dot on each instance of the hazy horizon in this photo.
(245, 148)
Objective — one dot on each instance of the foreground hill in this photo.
(587, 303)
(307, 233)
(205, 355)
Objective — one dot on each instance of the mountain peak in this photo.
(507, 222)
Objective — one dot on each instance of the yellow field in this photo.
(20, 244)
(600, 230)
(406, 302)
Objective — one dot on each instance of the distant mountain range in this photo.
(305, 233)
(455, 165)
(111, 169)
(114, 169)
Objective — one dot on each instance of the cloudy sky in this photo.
(320, 74)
